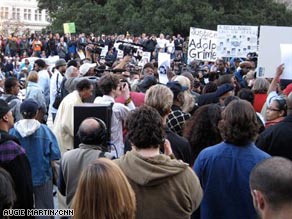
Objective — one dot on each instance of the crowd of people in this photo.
(213, 142)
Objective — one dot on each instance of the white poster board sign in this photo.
(104, 51)
(271, 37)
(236, 41)
(202, 45)
(286, 58)
(145, 58)
(163, 66)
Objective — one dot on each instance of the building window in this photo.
(18, 13)
(13, 13)
(25, 14)
(4, 12)
(37, 15)
(29, 14)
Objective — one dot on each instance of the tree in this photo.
(167, 16)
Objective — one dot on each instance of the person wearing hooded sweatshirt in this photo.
(42, 149)
(14, 160)
(164, 187)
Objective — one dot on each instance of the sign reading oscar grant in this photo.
(69, 28)
(202, 45)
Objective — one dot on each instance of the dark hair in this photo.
(72, 63)
(282, 105)
(246, 94)
(223, 79)
(239, 124)
(201, 130)
(41, 63)
(209, 88)
(9, 83)
(229, 99)
(273, 178)
(145, 128)
(108, 82)
(212, 76)
(84, 84)
(7, 194)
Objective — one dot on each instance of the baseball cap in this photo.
(176, 87)
(29, 106)
(223, 89)
(85, 68)
(60, 62)
(4, 108)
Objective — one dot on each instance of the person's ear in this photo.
(259, 200)
(282, 113)
(5, 117)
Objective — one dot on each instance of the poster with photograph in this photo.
(202, 45)
(236, 41)
(163, 66)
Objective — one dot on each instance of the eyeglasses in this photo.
(271, 109)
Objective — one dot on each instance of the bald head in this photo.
(90, 132)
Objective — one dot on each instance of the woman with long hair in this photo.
(202, 130)
(104, 192)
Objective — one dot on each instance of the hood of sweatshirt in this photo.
(150, 171)
(27, 127)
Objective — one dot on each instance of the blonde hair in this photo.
(33, 77)
(189, 102)
(159, 97)
(104, 192)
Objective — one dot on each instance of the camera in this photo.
(93, 47)
(131, 48)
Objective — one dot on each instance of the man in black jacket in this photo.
(14, 160)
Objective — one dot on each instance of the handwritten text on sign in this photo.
(202, 45)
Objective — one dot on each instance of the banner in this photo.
(202, 45)
(236, 41)
(69, 28)
(271, 55)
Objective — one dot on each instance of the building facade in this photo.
(22, 16)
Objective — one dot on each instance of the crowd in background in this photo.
(190, 144)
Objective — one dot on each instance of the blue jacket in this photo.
(41, 148)
(35, 92)
(224, 171)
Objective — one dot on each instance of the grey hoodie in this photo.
(164, 187)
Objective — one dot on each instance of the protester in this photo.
(91, 133)
(111, 87)
(11, 88)
(271, 188)
(104, 192)
(41, 148)
(160, 97)
(64, 122)
(224, 169)
(14, 160)
(201, 130)
(276, 139)
(173, 184)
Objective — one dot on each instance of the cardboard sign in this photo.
(202, 45)
(163, 66)
(236, 41)
(271, 55)
(69, 28)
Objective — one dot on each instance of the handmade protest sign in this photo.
(236, 41)
(202, 45)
